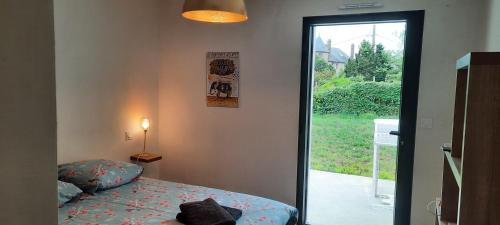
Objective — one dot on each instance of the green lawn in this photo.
(344, 144)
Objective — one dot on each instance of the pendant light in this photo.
(215, 11)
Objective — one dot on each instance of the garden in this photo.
(345, 103)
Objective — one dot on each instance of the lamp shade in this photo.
(145, 123)
(215, 11)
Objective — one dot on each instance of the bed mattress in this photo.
(150, 201)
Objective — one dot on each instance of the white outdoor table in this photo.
(381, 137)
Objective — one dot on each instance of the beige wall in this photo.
(253, 148)
(107, 77)
(493, 37)
(27, 113)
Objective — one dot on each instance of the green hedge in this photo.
(380, 98)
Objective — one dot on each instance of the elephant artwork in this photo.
(223, 79)
(218, 87)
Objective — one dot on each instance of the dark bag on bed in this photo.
(207, 212)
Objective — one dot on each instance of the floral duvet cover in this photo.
(150, 201)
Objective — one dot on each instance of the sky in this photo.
(343, 36)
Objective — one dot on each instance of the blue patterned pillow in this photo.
(98, 175)
(67, 192)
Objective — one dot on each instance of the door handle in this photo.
(394, 132)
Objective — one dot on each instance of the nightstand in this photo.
(145, 157)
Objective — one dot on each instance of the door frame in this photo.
(409, 102)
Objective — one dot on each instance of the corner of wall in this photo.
(28, 113)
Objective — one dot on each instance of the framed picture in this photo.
(223, 75)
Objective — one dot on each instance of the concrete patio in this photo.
(340, 199)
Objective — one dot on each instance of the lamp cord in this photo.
(430, 209)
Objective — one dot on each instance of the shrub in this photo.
(336, 81)
(324, 77)
(360, 97)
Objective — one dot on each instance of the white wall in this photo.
(493, 37)
(107, 77)
(27, 113)
(253, 148)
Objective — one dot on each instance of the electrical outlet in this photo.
(127, 136)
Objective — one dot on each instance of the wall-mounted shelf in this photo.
(439, 220)
(455, 164)
(146, 157)
(470, 192)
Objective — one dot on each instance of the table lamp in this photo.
(145, 126)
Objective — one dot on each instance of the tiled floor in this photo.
(339, 199)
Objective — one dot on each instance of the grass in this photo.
(344, 144)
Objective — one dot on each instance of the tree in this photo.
(396, 62)
(382, 65)
(324, 71)
(370, 64)
(321, 65)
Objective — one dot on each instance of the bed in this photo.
(151, 201)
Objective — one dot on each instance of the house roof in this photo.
(320, 46)
(337, 56)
